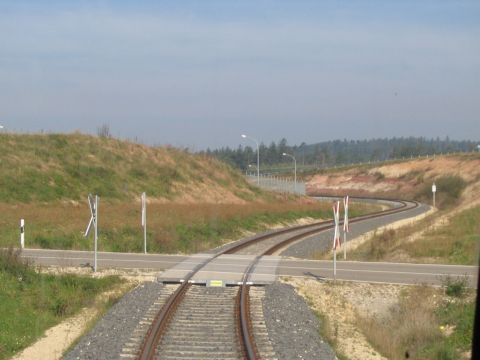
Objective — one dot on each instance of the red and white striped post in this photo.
(346, 228)
(336, 236)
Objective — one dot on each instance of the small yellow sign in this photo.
(215, 283)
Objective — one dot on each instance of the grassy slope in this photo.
(454, 242)
(196, 202)
(32, 302)
(54, 167)
(171, 227)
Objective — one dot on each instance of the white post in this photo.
(144, 221)
(96, 233)
(336, 236)
(434, 190)
(345, 227)
(22, 233)
(334, 264)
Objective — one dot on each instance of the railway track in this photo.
(206, 323)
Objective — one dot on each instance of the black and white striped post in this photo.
(22, 233)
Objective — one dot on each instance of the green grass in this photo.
(32, 302)
(67, 167)
(456, 242)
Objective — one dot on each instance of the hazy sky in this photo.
(200, 73)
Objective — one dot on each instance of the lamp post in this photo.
(251, 165)
(258, 155)
(295, 162)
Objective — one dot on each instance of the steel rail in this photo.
(246, 331)
(163, 317)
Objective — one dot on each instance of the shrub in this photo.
(449, 190)
(455, 287)
(11, 262)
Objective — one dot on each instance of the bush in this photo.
(11, 262)
(449, 190)
(455, 287)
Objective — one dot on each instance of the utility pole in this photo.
(258, 155)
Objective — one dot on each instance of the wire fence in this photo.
(277, 183)
(318, 167)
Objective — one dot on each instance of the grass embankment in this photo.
(64, 167)
(427, 323)
(31, 302)
(455, 242)
(171, 227)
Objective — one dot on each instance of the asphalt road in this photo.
(395, 273)
(398, 273)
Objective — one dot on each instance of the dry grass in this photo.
(171, 227)
(414, 322)
(425, 324)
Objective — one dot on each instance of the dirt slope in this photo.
(409, 179)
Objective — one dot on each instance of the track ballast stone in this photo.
(292, 326)
(106, 340)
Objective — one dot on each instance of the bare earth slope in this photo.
(404, 179)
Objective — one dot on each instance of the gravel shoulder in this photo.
(339, 305)
(292, 326)
(107, 338)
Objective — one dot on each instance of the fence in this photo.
(276, 183)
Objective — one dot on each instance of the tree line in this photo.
(338, 152)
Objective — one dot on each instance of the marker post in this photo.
(346, 228)
(434, 190)
(336, 237)
(144, 221)
(22, 233)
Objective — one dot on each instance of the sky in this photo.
(198, 74)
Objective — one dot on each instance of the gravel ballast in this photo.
(292, 326)
(106, 339)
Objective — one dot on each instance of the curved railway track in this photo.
(247, 345)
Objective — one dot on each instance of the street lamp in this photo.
(251, 165)
(295, 161)
(258, 155)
